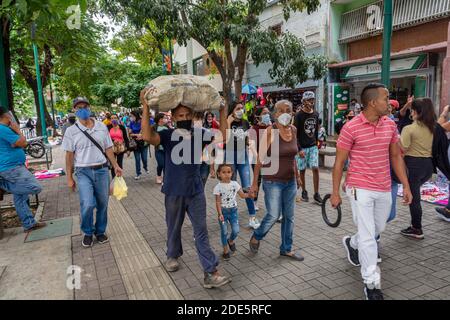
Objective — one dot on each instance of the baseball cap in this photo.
(78, 100)
(71, 115)
(308, 95)
(394, 103)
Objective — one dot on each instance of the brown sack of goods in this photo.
(168, 92)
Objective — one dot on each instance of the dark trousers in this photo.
(119, 158)
(420, 171)
(159, 155)
(195, 206)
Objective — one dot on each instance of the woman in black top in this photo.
(237, 153)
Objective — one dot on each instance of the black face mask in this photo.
(350, 118)
(72, 120)
(185, 124)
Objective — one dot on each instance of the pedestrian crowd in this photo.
(268, 144)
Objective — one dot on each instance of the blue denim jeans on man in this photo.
(93, 187)
(230, 215)
(21, 183)
(279, 198)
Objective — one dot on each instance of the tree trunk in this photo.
(48, 119)
(6, 33)
(241, 57)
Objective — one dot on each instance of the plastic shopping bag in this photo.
(120, 189)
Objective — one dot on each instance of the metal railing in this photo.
(28, 134)
(407, 13)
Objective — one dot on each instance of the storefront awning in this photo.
(441, 46)
(397, 65)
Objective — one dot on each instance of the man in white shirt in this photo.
(90, 161)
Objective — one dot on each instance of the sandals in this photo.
(253, 247)
(297, 256)
(232, 246)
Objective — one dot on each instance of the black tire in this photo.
(36, 150)
(333, 224)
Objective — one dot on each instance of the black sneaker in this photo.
(318, 199)
(102, 238)
(232, 246)
(226, 256)
(443, 213)
(373, 294)
(412, 233)
(87, 242)
(305, 196)
(352, 254)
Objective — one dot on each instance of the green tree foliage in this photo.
(230, 31)
(53, 37)
(121, 81)
(137, 45)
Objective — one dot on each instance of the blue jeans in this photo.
(394, 190)
(230, 215)
(195, 207)
(243, 168)
(93, 187)
(279, 198)
(21, 183)
(141, 153)
(159, 155)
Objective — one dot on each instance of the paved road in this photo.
(410, 269)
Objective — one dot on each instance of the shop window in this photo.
(183, 68)
(199, 67)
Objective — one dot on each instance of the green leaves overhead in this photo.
(229, 30)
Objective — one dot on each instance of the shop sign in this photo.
(374, 68)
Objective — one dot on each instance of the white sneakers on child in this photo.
(253, 223)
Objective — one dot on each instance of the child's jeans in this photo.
(230, 215)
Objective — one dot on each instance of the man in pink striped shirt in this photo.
(370, 141)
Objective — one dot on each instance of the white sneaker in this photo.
(253, 223)
(256, 208)
(147, 172)
(159, 180)
(137, 177)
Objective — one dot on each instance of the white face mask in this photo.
(285, 119)
(239, 114)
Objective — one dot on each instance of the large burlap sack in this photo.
(168, 92)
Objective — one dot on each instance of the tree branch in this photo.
(47, 67)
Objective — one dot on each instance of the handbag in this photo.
(95, 144)
(132, 145)
(119, 148)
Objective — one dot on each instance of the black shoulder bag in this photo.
(95, 144)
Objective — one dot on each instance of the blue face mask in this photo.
(265, 119)
(83, 113)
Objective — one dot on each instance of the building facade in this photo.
(313, 29)
(420, 50)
